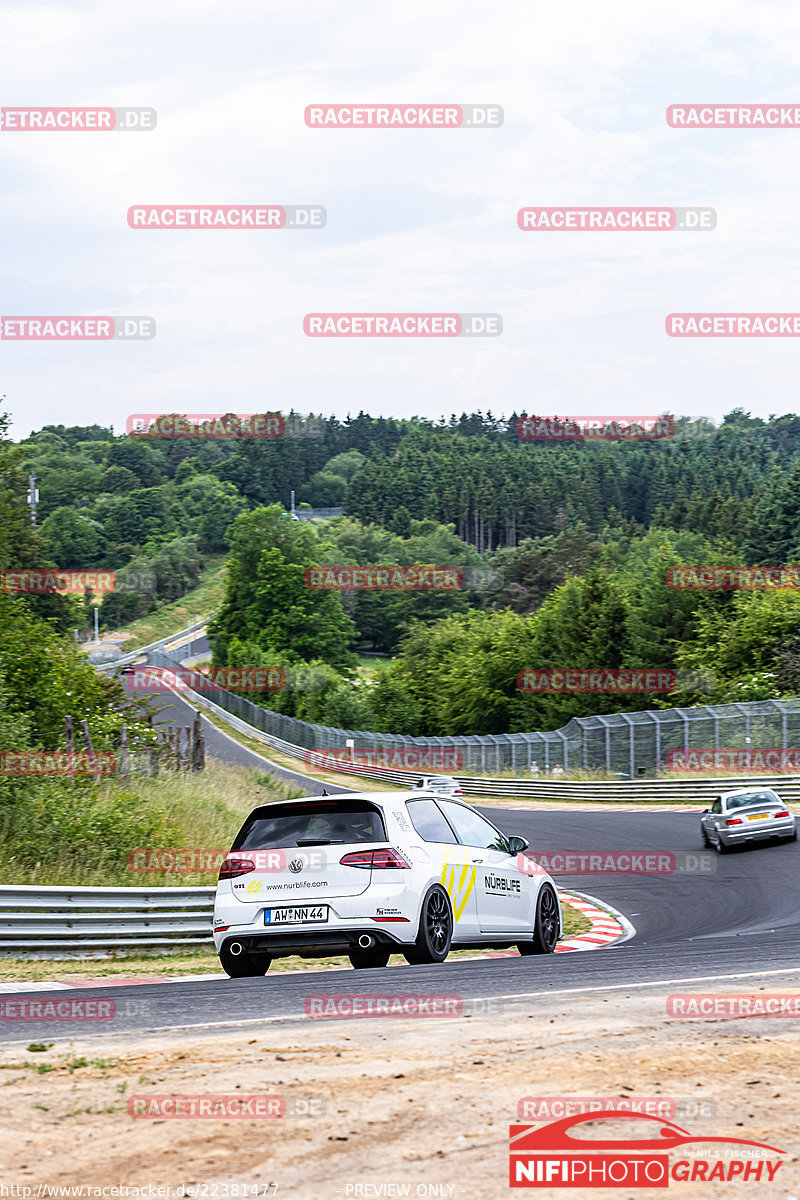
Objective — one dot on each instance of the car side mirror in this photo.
(518, 844)
(705, 810)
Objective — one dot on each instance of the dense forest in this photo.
(564, 550)
(105, 499)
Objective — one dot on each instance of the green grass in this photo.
(84, 835)
(194, 606)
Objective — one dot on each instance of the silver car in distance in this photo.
(754, 814)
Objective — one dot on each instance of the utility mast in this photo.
(33, 497)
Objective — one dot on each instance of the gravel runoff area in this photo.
(423, 1104)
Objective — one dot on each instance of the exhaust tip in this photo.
(236, 948)
(365, 941)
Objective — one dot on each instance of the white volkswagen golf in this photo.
(375, 874)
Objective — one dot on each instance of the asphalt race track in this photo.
(741, 918)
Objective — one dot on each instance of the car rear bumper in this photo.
(309, 943)
(777, 829)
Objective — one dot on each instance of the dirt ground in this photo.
(394, 1106)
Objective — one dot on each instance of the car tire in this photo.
(243, 966)
(545, 926)
(435, 933)
(377, 956)
(792, 837)
(704, 836)
(720, 846)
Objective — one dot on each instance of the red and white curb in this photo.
(607, 927)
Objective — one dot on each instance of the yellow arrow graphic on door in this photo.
(459, 882)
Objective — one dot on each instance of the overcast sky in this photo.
(417, 220)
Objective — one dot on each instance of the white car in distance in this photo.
(375, 874)
(439, 783)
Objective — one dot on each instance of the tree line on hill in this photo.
(564, 550)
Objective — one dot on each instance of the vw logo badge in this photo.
(296, 866)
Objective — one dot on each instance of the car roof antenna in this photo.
(324, 792)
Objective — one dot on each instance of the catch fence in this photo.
(627, 745)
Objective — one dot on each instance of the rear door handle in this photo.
(477, 860)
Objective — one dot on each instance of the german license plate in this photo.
(296, 915)
(757, 816)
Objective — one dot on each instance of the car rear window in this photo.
(751, 798)
(323, 823)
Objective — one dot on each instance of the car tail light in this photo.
(232, 867)
(784, 812)
(379, 859)
(734, 821)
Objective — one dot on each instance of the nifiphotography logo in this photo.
(556, 1155)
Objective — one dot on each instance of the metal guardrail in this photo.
(162, 644)
(316, 514)
(658, 791)
(42, 920)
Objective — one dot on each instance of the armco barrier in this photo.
(633, 791)
(162, 644)
(43, 920)
(53, 922)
